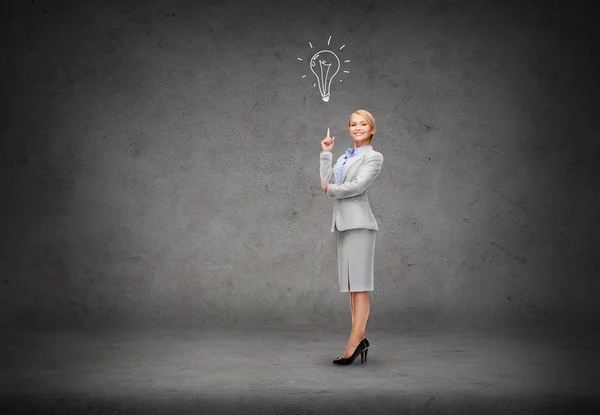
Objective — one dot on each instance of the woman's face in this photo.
(360, 130)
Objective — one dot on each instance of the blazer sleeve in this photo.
(326, 170)
(366, 176)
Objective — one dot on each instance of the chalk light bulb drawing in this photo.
(325, 65)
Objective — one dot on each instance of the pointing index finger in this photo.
(328, 133)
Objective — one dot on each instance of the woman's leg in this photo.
(360, 304)
(352, 307)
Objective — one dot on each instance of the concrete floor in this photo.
(289, 370)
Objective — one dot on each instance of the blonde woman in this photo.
(347, 182)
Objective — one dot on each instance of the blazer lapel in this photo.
(352, 161)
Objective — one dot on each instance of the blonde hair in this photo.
(367, 116)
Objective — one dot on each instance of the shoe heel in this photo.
(366, 351)
(362, 355)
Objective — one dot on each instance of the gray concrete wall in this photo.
(160, 161)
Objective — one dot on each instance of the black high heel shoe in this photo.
(361, 349)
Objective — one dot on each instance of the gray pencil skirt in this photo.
(356, 258)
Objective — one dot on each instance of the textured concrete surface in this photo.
(159, 161)
(288, 370)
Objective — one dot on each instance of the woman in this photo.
(347, 183)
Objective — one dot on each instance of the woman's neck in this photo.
(362, 145)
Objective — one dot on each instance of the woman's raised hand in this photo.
(327, 143)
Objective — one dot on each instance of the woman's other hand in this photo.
(325, 188)
(327, 143)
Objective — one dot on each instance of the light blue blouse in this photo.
(349, 154)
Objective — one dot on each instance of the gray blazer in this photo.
(351, 207)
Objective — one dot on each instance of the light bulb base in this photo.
(326, 98)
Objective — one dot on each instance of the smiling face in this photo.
(361, 130)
